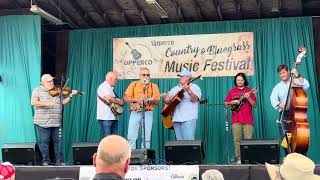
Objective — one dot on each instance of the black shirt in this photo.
(109, 176)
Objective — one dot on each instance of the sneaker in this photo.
(45, 164)
(238, 162)
(60, 164)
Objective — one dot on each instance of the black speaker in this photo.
(19, 154)
(83, 152)
(259, 151)
(184, 152)
(142, 156)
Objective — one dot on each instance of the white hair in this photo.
(110, 74)
(212, 174)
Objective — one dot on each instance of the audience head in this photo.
(212, 174)
(294, 167)
(7, 171)
(113, 155)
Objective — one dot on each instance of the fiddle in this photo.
(55, 91)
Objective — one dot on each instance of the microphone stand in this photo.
(143, 116)
(227, 135)
(58, 159)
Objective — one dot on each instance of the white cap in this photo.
(46, 77)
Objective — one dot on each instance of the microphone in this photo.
(145, 81)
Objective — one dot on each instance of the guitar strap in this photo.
(104, 101)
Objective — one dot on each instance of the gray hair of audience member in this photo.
(212, 174)
(113, 151)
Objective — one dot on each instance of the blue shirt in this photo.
(280, 91)
(186, 110)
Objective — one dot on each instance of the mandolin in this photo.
(236, 107)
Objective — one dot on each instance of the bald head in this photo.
(113, 154)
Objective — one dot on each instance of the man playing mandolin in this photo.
(242, 117)
(139, 93)
(185, 114)
(106, 116)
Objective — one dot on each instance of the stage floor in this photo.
(230, 172)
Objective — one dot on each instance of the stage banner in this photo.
(208, 55)
(154, 172)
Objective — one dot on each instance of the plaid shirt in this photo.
(46, 116)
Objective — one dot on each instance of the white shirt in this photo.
(103, 111)
(186, 110)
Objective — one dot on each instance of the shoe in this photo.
(60, 164)
(45, 164)
(238, 162)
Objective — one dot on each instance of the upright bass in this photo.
(295, 114)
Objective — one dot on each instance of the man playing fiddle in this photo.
(47, 118)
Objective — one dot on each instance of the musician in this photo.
(242, 120)
(186, 112)
(47, 118)
(279, 93)
(106, 118)
(138, 93)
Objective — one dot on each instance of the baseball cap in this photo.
(184, 72)
(46, 77)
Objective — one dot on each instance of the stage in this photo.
(230, 172)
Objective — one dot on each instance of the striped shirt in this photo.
(46, 116)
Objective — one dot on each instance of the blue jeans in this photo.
(44, 135)
(108, 127)
(185, 130)
(133, 128)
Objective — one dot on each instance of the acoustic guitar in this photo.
(167, 121)
(115, 108)
(168, 109)
(236, 107)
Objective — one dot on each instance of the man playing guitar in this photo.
(185, 114)
(105, 97)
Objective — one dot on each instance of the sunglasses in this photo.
(145, 75)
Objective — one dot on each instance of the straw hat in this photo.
(294, 167)
(212, 174)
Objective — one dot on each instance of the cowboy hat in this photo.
(294, 167)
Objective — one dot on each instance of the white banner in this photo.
(205, 54)
(151, 172)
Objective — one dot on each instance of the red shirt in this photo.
(244, 115)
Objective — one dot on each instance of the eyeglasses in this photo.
(145, 75)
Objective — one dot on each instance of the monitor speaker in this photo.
(20, 153)
(83, 152)
(142, 156)
(184, 152)
(259, 151)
